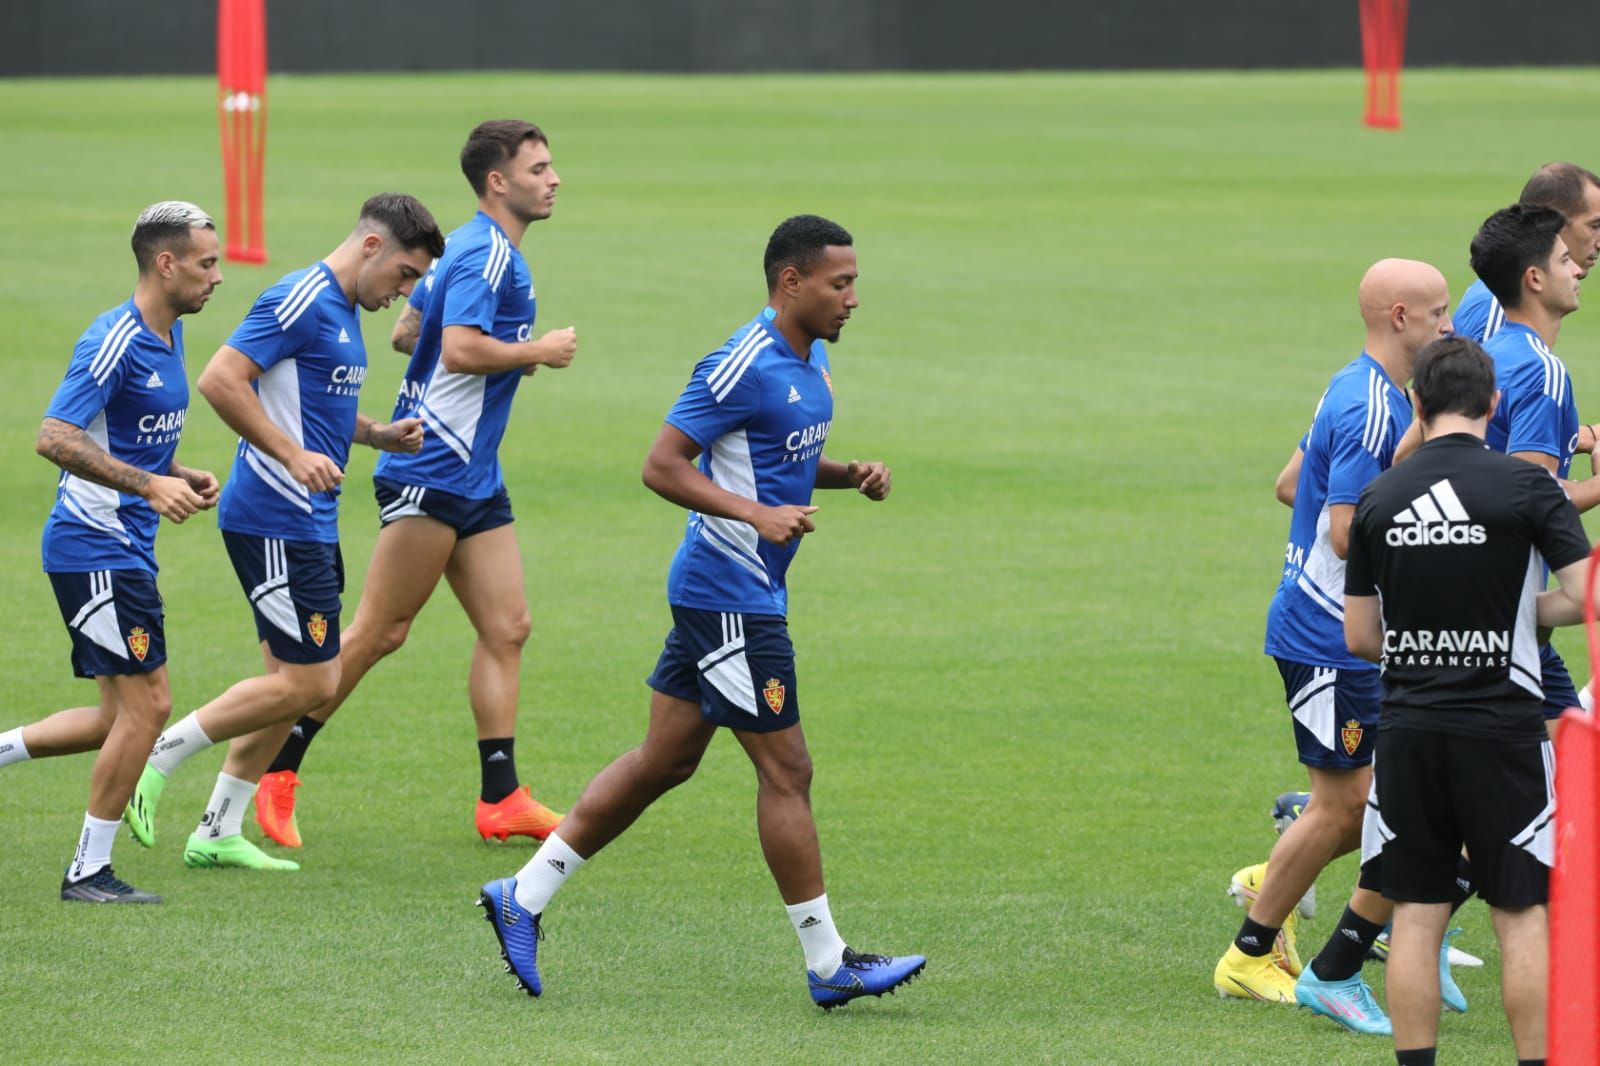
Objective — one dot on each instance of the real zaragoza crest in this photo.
(774, 694)
(1351, 734)
(139, 642)
(317, 626)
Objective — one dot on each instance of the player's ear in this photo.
(1397, 317)
(164, 262)
(1494, 402)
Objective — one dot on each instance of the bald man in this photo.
(1333, 696)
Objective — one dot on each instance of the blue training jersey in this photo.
(1359, 420)
(1537, 412)
(129, 391)
(760, 413)
(306, 338)
(482, 281)
(1479, 314)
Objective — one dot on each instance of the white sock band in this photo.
(94, 847)
(12, 749)
(178, 743)
(224, 815)
(818, 938)
(547, 871)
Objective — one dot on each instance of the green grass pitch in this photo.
(1096, 314)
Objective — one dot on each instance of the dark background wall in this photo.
(179, 36)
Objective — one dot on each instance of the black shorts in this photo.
(1438, 792)
(115, 619)
(738, 667)
(466, 516)
(293, 587)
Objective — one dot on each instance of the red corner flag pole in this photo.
(242, 118)
(1574, 1026)
(1383, 50)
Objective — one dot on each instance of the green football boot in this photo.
(141, 812)
(233, 850)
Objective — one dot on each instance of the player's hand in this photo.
(171, 498)
(205, 485)
(780, 525)
(315, 471)
(557, 348)
(402, 435)
(870, 479)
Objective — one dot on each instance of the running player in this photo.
(756, 413)
(288, 381)
(1333, 697)
(113, 428)
(1567, 188)
(1522, 259)
(445, 509)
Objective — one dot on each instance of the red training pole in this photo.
(1573, 1030)
(1383, 44)
(242, 120)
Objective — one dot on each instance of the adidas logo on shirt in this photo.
(154, 381)
(794, 394)
(344, 336)
(1435, 517)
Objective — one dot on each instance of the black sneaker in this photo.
(104, 887)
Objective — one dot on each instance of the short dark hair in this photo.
(491, 143)
(1560, 186)
(799, 242)
(410, 223)
(165, 227)
(1509, 242)
(1453, 375)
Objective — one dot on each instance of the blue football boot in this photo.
(863, 975)
(1349, 1002)
(1450, 994)
(517, 930)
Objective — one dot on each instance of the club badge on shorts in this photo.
(1351, 734)
(317, 626)
(139, 642)
(774, 694)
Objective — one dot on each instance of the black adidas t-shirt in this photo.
(1454, 541)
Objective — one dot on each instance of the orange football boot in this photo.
(275, 807)
(519, 814)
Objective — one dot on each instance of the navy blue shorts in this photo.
(738, 667)
(116, 621)
(293, 587)
(1335, 713)
(1558, 691)
(466, 517)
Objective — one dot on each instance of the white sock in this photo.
(224, 815)
(1585, 700)
(818, 938)
(94, 847)
(547, 871)
(12, 749)
(178, 743)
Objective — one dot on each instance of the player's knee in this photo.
(151, 708)
(791, 775)
(392, 637)
(313, 685)
(671, 770)
(509, 633)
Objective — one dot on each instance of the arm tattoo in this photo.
(404, 338)
(74, 451)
